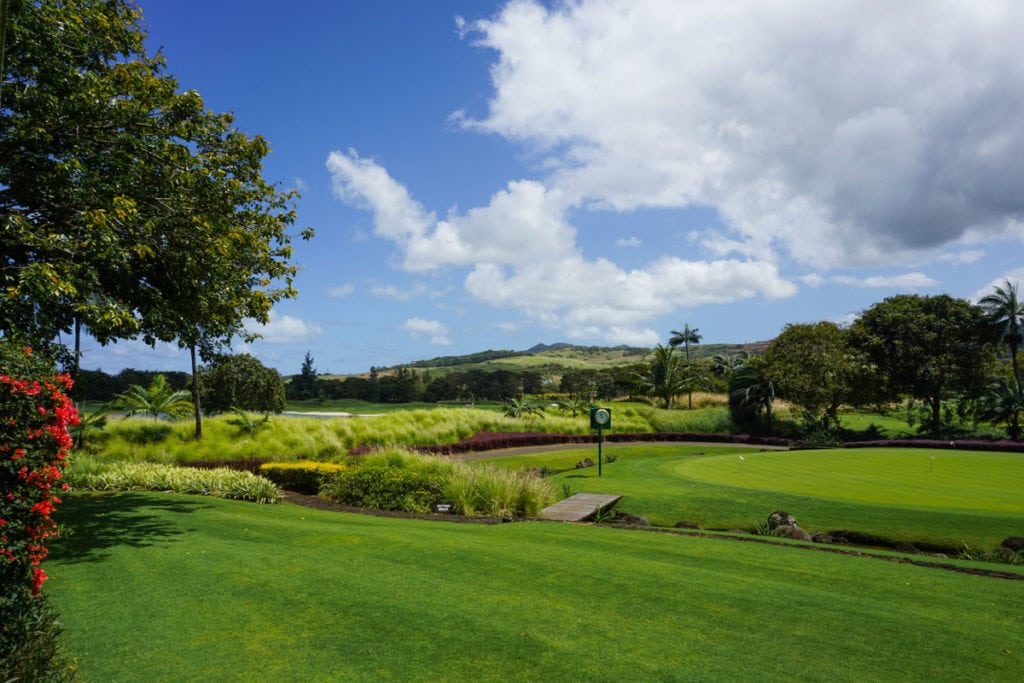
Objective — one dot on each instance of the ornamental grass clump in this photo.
(35, 414)
(128, 476)
(397, 479)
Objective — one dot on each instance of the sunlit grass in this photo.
(164, 587)
(972, 497)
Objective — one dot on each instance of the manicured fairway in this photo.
(169, 588)
(898, 494)
(911, 477)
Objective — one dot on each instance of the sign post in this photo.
(600, 419)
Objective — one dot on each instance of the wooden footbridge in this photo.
(579, 507)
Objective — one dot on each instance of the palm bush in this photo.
(157, 400)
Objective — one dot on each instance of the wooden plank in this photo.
(579, 507)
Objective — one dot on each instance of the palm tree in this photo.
(666, 376)
(751, 395)
(1003, 405)
(688, 335)
(523, 407)
(725, 364)
(159, 399)
(1004, 312)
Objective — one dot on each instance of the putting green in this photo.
(905, 477)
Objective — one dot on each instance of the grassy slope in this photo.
(161, 587)
(890, 493)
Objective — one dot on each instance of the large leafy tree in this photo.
(127, 206)
(1004, 313)
(931, 348)
(814, 367)
(241, 382)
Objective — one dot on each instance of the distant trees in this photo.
(303, 386)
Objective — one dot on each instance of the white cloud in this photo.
(628, 242)
(435, 330)
(284, 329)
(841, 133)
(341, 291)
(522, 255)
(900, 282)
(1015, 277)
(961, 258)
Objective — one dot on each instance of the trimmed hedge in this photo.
(306, 477)
(487, 441)
(964, 444)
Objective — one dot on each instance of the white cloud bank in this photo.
(842, 133)
(833, 135)
(285, 329)
(436, 331)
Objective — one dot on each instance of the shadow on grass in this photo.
(92, 524)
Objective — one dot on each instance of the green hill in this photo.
(557, 358)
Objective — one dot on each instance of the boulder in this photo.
(821, 537)
(627, 519)
(780, 518)
(687, 525)
(586, 462)
(1014, 543)
(792, 531)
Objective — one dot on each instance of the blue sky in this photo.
(490, 175)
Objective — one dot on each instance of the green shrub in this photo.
(387, 488)
(302, 477)
(223, 483)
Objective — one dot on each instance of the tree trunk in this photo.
(195, 393)
(936, 406)
(76, 370)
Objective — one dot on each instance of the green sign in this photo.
(600, 418)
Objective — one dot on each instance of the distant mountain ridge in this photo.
(551, 357)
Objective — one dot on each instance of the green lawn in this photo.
(173, 588)
(897, 494)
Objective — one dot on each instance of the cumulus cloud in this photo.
(840, 134)
(1014, 277)
(285, 329)
(522, 254)
(831, 135)
(436, 331)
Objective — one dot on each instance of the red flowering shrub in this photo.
(35, 414)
